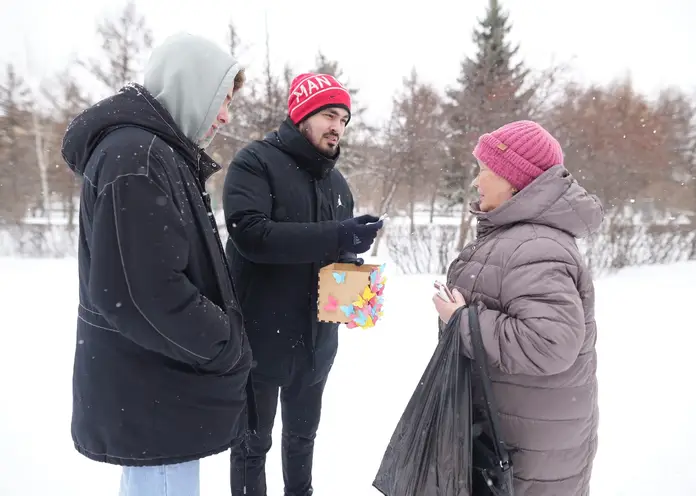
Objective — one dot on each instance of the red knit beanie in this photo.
(520, 152)
(311, 93)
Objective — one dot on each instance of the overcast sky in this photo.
(378, 41)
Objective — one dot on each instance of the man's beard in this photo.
(307, 133)
(331, 152)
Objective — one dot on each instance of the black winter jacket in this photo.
(161, 359)
(283, 201)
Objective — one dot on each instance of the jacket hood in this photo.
(191, 76)
(554, 199)
(290, 140)
(132, 106)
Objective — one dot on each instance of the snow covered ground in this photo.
(648, 409)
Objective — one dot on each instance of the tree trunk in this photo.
(42, 162)
(463, 229)
(384, 207)
(433, 200)
(412, 204)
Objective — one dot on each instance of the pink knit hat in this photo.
(520, 152)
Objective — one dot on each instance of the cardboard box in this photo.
(351, 294)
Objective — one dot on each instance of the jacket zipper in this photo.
(228, 275)
(213, 223)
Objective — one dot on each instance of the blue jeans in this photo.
(181, 479)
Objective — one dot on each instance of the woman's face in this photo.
(493, 190)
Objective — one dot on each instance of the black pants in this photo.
(300, 403)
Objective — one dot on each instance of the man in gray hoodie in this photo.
(161, 357)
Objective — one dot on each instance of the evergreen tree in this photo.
(491, 90)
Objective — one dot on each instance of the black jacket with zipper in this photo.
(161, 359)
(283, 202)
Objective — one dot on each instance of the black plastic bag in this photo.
(430, 451)
(491, 457)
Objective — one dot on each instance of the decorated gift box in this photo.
(351, 294)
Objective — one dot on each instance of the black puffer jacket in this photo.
(283, 201)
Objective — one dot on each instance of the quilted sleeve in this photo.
(541, 327)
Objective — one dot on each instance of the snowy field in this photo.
(647, 341)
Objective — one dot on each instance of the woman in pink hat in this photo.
(534, 297)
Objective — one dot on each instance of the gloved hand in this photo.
(357, 234)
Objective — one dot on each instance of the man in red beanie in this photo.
(289, 212)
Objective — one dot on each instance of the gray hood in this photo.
(554, 199)
(191, 76)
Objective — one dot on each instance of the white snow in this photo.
(648, 408)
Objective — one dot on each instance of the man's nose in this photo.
(224, 116)
(336, 128)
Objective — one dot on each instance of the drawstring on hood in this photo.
(191, 76)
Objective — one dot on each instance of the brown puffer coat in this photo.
(536, 306)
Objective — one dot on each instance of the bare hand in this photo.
(446, 308)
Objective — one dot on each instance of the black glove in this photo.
(356, 235)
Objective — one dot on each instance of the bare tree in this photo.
(66, 100)
(233, 135)
(620, 144)
(18, 179)
(257, 109)
(678, 113)
(41, 132)
(416, 143)
(265, 101)
(382, 170)
(358, 134)
(634, 154)
(232, 39)
(420, 135)
(124, 41)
